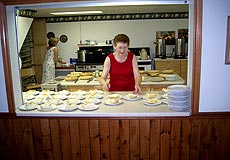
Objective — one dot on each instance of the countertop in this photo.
(95, 82)
(126, 109)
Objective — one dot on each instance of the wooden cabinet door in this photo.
(40, 42)
(168, 64)
(184, 67)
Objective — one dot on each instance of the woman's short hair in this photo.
(121, 38)
(53, 41)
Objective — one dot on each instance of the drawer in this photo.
(166, 65)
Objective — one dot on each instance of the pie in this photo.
(85, 77)
(169, 71)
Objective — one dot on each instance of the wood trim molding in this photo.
(6, 58)
(197, 46)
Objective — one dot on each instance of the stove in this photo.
(88, 67)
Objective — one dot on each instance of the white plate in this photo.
(100, 91)
(88, 107)
(65, 108)
(46, 109)
(157, 97)
(152, 104)
(34, 93)
(80, 92)
(61, 97)
(106, 102)
(99, 96)
(29, 108)
(52, 82)
(28, 97)
(126, 97)
(91, 101)
(114, 95)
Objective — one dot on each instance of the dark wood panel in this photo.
(104, 139)
(75, 139)
(37, 137)
(124, 139)
(155, 127)
(185, 139)
(94, 139)
(55, 140)
(165, 134)
(134, 139)
(114, 139)
(28, 139)
(144, 136)
(84, 139)
(181, 138)
(46, 138)
(215, 139)
(175, 139)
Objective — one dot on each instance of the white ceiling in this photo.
(45, 12)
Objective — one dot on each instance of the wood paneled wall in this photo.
(72, 138)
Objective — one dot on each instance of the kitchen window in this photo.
(16, 81)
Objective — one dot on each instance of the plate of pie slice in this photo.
(68, 107)
(27, 107)
(46, 107)
(132, 97)
(152, 102)
(113, 102)
(88, 107)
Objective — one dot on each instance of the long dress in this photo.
(121, 74)
(49, 66)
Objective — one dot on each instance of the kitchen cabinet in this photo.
(178, 65)
(184, 68)
(38, 29)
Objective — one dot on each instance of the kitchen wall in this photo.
(215, 75)
(142, 33)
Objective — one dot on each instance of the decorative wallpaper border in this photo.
(26, 13)
(136, 16)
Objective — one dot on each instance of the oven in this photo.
(144, 64)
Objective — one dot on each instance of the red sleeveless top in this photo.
(121, 74)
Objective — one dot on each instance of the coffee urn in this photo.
(160, 48)
(180, 48)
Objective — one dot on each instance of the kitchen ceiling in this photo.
(45, 12)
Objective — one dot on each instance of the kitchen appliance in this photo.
(88, 67)
(144, 65)
(180, 48)
(160, 48)
(143, 54)
(144, 62)
(81, 55)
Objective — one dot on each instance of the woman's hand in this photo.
(106, 86)
(137, 89)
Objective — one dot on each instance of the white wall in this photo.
(23, 26)
(215, 75)
(142, 33)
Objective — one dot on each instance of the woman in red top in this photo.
(122, 68)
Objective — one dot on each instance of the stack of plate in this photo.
(179, 97)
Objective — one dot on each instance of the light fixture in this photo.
(74, 13)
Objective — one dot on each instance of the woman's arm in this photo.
(137, 75)
(104, 75)
(56, 57)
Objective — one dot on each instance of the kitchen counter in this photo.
(126, 109)
(96, 83)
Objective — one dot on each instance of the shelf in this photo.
(25, 56)
(25, 51)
